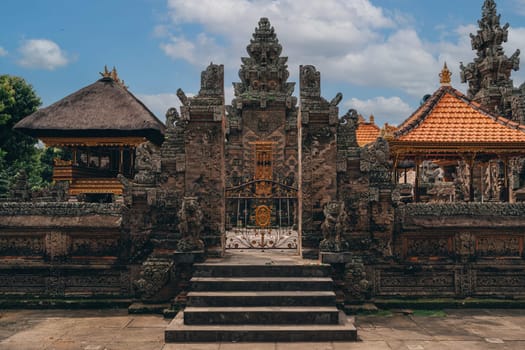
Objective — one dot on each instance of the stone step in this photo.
(230, 270)
(177, 331)
(261, 283)
(260, 315)
(258, 298)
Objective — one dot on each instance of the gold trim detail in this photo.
(445, 75)
(92, 141)
(112, 75)
(263, 215)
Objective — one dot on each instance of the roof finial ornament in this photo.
(113, 75)
(445, 76)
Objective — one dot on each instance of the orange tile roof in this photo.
(449, 117)
(367, 133)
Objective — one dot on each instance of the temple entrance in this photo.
(261, 213)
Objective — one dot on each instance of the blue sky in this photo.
(383, 55)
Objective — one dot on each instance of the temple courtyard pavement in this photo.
(112, 329)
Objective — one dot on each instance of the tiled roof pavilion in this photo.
(448, 127)
(448, 122)
(367, 132)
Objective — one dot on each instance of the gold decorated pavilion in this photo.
(101, 125)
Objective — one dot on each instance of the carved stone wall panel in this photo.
(319, 185)
(427, 247)
(204, 175)
(408, 282)
(17, 282)
(95, 246)
(21, 245)
(57, 244)
(55, 283)
(504, 280)
(91, 282)
(499, 246)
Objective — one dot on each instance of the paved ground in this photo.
(115, 329)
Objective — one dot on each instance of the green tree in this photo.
(17, 151)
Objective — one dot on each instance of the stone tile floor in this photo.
(115, 329)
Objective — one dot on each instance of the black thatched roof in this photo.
(104, 108)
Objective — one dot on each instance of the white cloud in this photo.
(385, 109)
(3, 52)
(349, 41)
(42, 54)
(200, 51)
(160, 103)
(517, 41)
(319, 29)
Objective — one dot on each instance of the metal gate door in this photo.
(261, 214)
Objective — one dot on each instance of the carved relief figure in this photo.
(190, 225)
(144, 164)
(333, 226)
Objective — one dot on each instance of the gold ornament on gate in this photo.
(263, 215)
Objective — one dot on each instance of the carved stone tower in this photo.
(319, 121)
(489, 75)
(203, 123)
(261, 148)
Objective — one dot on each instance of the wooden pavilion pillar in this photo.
(506, 182)
(471, 178)
(120, 159)
(416, 181)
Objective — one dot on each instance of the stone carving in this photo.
(415, 281)
(465, 246)
(333, 226)
(346, 136)
(212, 81)
(172, 117)
(493, 282)
(182, 97)
(382, 215)
(336, 100)
(310, 82)
(495, 246)
(464, 209)
(489, 75)
(144, 164)
(94, 246)
(461, 181)
(20, 190)
(356, 281)
(492, 182)
(68, 209)
(28, 246)
(427, 247)
(57, 245)
(190, 225)
(155, 274)
(264, 74)
(375, 161)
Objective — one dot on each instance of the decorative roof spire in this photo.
(489, 75)
(445, 76)
(264, 74)
(113, 75)
(387, 132)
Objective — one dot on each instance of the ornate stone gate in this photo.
(262, 214)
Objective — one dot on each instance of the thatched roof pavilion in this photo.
(102, 125)
(103, 109)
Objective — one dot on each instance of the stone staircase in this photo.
(261, 303)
